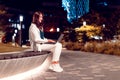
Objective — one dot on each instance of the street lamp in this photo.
(58, 29)
(103, 25)
(20, 30)
(84, 23)
(13, 37)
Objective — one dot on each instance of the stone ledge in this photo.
(21, 54)
(16, 63)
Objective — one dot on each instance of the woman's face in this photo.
(40, 18)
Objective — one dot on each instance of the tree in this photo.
(4, 16)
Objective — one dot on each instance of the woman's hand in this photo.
(50, 40)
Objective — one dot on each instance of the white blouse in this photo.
(34, 34)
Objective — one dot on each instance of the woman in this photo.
(37, 41)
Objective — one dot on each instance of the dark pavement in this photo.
(85, 66)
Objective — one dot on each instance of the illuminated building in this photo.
(75, 8)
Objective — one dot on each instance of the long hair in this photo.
(35, 19)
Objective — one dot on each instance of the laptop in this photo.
(59, 39)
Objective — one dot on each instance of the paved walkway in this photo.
(85, 66)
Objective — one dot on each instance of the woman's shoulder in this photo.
(33, 27)
(32, 24)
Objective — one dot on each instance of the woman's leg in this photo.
(55, 66)
(56, 50)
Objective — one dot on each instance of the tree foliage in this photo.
(110, 18)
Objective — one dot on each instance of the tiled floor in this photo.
(82, 66)
(86, 66)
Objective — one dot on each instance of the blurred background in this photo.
(60, 16)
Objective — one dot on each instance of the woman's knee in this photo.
(59, 45)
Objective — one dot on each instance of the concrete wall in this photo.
(15, 63)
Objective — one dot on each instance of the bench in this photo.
(19, 62)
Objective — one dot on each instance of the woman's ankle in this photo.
(55, 62)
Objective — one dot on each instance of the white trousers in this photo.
(54, 48)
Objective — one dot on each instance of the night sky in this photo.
(28, 4)
(114, 2)
(34, 4)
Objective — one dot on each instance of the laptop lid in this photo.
(60, 37)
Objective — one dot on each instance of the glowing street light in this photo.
(20, 30)
(21, 18)
(58, 29)
(84, 23)
(103, 25)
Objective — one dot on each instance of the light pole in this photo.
(20, 30)
(84, 23)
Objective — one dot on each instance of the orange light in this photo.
(51, 30)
